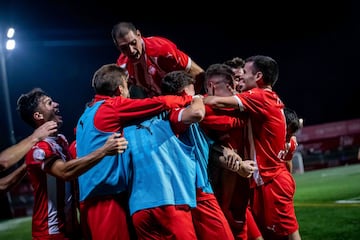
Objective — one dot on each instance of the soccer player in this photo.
(52, 174)
(148, 59)
(227, 130)
(208, 218)
(273, 207)
(12, 155)
(293, 125)
(237, 65)
(103, 189)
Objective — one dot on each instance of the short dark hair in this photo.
(121, 29)
(108, 78)
(220, 69)
(175, 81)
(292, 120)
(267, 66)
(28, 103)
(235, 62)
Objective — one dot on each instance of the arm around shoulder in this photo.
(74, 168)
(195, 112)
(222, 102)
(15, 153)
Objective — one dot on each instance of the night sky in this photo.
(61, 43)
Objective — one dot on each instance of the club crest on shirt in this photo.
(39, 154)
(151, 70)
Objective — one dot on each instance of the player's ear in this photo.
(122, 91)
(118, 91)
(38, 116)
(258, 75)
(138, 33)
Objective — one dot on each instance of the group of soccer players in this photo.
(166, 150)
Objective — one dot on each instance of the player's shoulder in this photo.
(157, 39)
(156, 44)
(37, 152)
(41, 144)
(122, 61)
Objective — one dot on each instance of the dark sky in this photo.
(61, 43)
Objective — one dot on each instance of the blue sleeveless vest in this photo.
(194, 136)
(110, 175)
(163, 167)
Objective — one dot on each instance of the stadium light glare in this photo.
(10, 44)
(10, 33)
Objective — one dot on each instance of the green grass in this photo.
(329, 222)
(16, 229)
(319, 216)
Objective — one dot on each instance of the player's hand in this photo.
(45, 130)
(230, 159)
(115, 144)
(231, 89)
(247, 168)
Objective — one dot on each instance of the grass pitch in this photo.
(327, 204)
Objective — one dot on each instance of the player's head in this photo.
(293, 122)
(219, 79)
(36, 107)
(178, 83)
(110, 80)
(128, 40)
(237, 65)
(260, 70)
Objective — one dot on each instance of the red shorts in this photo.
(253, 232)
(233, 193)
(273, 206)
(209, 221)
(165, 222)
(105, 217)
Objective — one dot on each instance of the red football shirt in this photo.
(161, 56)
(266, 131)
(49, 192)
(118, 111)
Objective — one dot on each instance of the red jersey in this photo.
(290, 148)
(50, 193)
(232, 191)
(72, 149)
(175, 120)
(224, 127)
(266, 131)
(161, 56)
(221, 125)
(116, 112)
